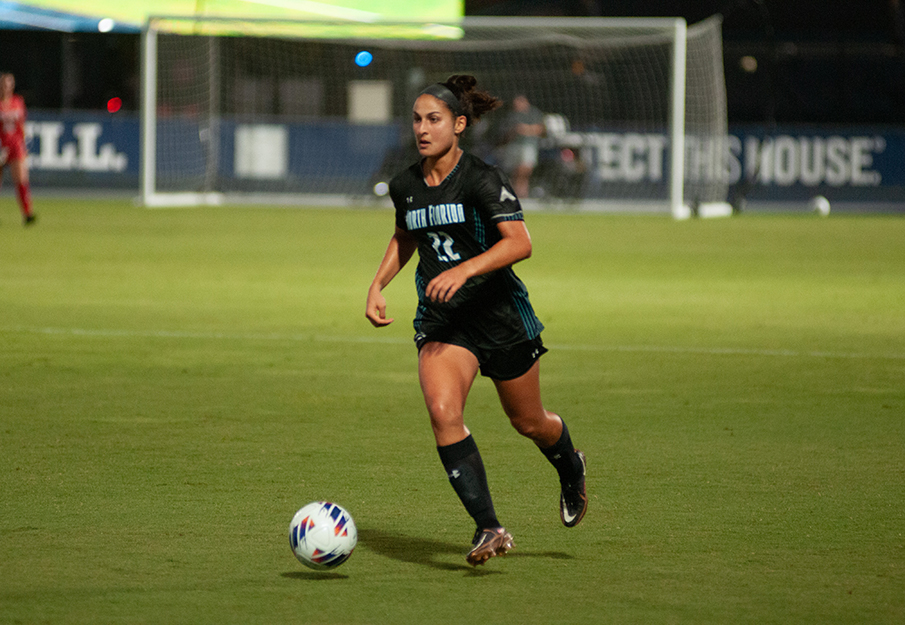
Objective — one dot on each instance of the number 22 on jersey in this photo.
(444, 241)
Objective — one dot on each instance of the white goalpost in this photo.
(634, 108)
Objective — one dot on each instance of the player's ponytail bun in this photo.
(474, 101)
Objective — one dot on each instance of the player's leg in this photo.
(521, 400)
(521, 182)
(18, 169)
(446, 373)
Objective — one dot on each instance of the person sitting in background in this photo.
(524, 128)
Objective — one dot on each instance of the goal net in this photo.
(634, 109)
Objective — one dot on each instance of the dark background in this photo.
(818, 61)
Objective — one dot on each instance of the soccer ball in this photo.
(820, 205)
(322, 535)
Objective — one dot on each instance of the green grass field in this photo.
(175, 384)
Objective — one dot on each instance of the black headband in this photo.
(442, 92)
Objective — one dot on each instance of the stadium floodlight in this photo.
(635, 107)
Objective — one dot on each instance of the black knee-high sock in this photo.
(465, 470)
(563, 457)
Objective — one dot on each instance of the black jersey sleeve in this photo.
(495, 195)
(401, 195)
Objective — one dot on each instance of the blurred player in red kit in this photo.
(13, 153)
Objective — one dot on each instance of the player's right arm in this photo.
(400, 249)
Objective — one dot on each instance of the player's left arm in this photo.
(514, 245)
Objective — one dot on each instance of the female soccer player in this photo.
(12, 143)
(473, 312)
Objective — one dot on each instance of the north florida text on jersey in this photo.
(434, 215)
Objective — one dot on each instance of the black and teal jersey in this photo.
(452, 223)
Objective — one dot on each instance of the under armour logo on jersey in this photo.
(410, 199)
(505, 195)
(455, 474)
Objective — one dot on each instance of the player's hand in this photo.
(442, 288)
(376, 310)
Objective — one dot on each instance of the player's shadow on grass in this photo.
(424, 551)
(314, 576)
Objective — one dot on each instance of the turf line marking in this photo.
(656, 349)
(180, 334)
(728, 351)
